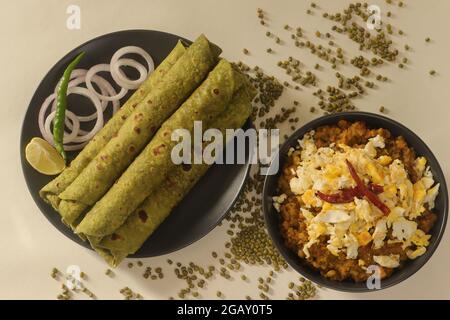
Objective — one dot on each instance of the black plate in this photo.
(207, 203)
(272, 217)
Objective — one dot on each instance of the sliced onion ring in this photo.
(117, 73)
(77, 138)
(105, 88)
(46, 133)
(41, 115)
(99, 123)
(74, 147)
(94, 70)
(68, 137)
(118, 76)
(77, 77)
(105, 85)
(72, 120)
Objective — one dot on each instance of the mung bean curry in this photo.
(354, 196)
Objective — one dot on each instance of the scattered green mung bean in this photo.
(109, 272)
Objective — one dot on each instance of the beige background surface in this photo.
(34, 37)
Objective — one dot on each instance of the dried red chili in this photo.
(375, 188)
(361, 187)
(348, 194)
(344, 196)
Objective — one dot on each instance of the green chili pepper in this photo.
(61, 104)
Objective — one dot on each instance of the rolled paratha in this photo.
(166, 96)
(154, 163)
(140, 225)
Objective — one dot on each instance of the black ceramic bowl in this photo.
(273, 220)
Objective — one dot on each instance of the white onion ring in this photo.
(105, 88)
(74, 147)
(41, 114)
(99, 123)
(101, 82)
(67, 137)
(77, 77)
(77, 138)
(89, 76)
(83, 138)
(72, 121)
(117, 74)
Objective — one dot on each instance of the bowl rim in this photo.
(295, 263)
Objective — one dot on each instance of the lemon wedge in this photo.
(43, 157)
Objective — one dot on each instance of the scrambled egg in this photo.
(358, 223)
(391, 261)
(277, 201)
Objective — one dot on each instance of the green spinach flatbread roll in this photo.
(151, 167)
(130, 236)
(51, 191)
(176, 86)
